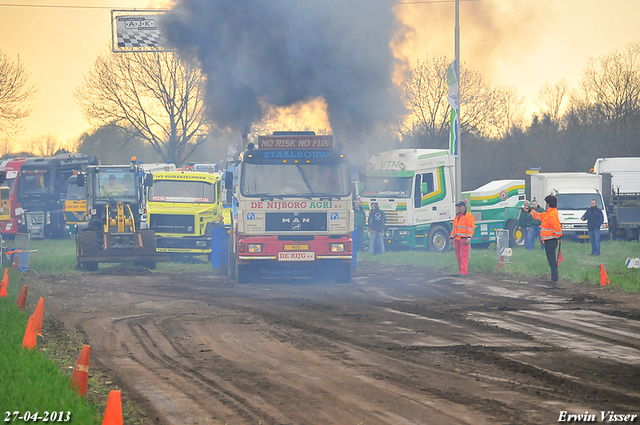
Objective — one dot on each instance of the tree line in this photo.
(153, 104)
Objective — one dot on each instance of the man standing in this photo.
(524, 222)
(376, 223)
(464, 225)
(550, 232)
(594, 218)
(535, 227)
(359, 220)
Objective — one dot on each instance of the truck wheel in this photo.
(244, 273)
(516, 236)
(342, 273)
(438, 239)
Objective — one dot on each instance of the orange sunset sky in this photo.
(520, 43)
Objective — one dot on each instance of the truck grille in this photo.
(169, 223)
(296, 222)
(35, 224)
(395, 218)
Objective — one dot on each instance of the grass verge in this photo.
(578, 265)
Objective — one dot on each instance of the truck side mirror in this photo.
(148, 180)
(80, 182)
(3, 176)
(228, 181)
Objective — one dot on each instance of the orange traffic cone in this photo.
(14, 265)
(3, 290)
(29, 340)
(37, 316)
(113, 412)
(604, 279)
(80, 376)
(5, 278)
(22, 298)
(500, 263)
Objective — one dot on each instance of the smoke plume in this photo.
(287, 51)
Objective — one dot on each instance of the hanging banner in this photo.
(453, 98)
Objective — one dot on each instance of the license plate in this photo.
(583, 236)
(296, 247)
(296, 256)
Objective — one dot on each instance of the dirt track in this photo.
(397, 345)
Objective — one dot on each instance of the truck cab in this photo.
(182, 208)
(574, 192)
(294, 212)
(42, 189)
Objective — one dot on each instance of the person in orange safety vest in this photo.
(550, 232)
(464, 225)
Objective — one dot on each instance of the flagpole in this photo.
(458, 158)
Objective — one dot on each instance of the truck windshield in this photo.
(182, 191)
(76, 193)
(34, 182)
(295, 179)
(396, 187)
(116, 184)
(577, 201)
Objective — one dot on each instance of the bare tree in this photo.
(610, 87)
(13, 93)
(509, 114)
(551, 98)
(425, 91)
(44, 145)
(154, 96)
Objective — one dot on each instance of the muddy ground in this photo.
(397, 345)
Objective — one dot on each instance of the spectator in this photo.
(359, 220)
(376, 224)
(594, 218)
(524, 223)
(535, 227)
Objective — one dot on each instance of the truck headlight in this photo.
(201, 244)
(404, 232)
(9, 225)
(48, 218)
(337, 247)
(254, 248)
(567, 226)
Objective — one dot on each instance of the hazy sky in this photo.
(520, 43)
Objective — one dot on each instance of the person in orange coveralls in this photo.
(464, 225)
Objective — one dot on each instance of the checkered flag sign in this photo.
(138, 31)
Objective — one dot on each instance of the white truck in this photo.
(575, 192)
(415, 189)
(623, 205)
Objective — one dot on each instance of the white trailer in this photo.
(624, 201)
(575, 192)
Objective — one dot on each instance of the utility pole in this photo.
(457, 70)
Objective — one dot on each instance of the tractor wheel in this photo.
(438, 239)
(148, 241)
(90, 244)
(245, 273)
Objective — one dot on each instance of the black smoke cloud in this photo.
(287, 51)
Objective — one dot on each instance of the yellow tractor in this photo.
(114, 231)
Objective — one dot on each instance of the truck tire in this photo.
(90, 244)
(245, 273)
(516, 236)
(438, 239)
(342, 273)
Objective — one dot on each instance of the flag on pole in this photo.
(454, 94)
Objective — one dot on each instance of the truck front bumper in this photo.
(198, 245)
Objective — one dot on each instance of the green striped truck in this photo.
(415, 188)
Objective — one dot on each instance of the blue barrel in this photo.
(219, 247)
